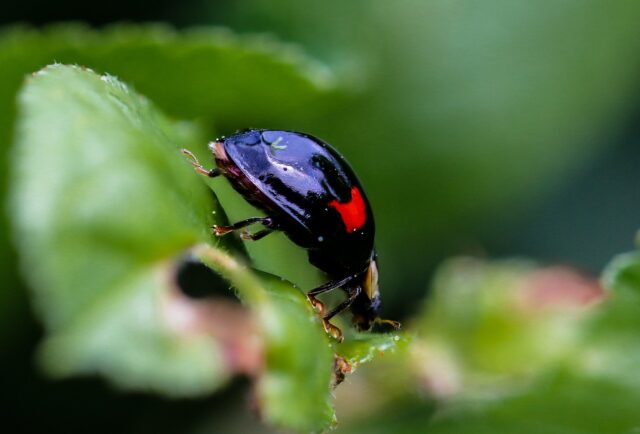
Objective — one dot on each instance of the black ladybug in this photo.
(309, 191)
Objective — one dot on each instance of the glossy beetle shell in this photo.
(308, 189)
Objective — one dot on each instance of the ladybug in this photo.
(308, 191)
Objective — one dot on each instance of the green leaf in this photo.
(106, 207)
(364, 347)
(558, 404)
(102, 204)
(612, 341)
(221, 80)
(507, 346)
(622, 275)
(294, 389)
(502, 322)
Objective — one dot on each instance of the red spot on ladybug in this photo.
(353, 213)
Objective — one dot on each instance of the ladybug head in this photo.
(366, 307)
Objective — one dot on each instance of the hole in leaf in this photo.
(198, 281)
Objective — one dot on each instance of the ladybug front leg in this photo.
(330, 328)
(353, 294)
(199, 168)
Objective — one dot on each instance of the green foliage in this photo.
(561, 404)
(294, 390)
(453, 101)
(105, 207)
(614, 342)
(482, 107)
(363, 348)
(103, 203)
(225, 82)
(508, 346)
(493, 317)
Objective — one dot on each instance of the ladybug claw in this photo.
(333, 331)
(395, 324)
(194, 160)
(189, 154)
(317, 304)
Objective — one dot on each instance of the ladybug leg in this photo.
(330, 328)
(255, 236)
(222, 230)
(353, 294)
(329, 286)
(199, 168)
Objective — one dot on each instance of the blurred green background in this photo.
(492, 129)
